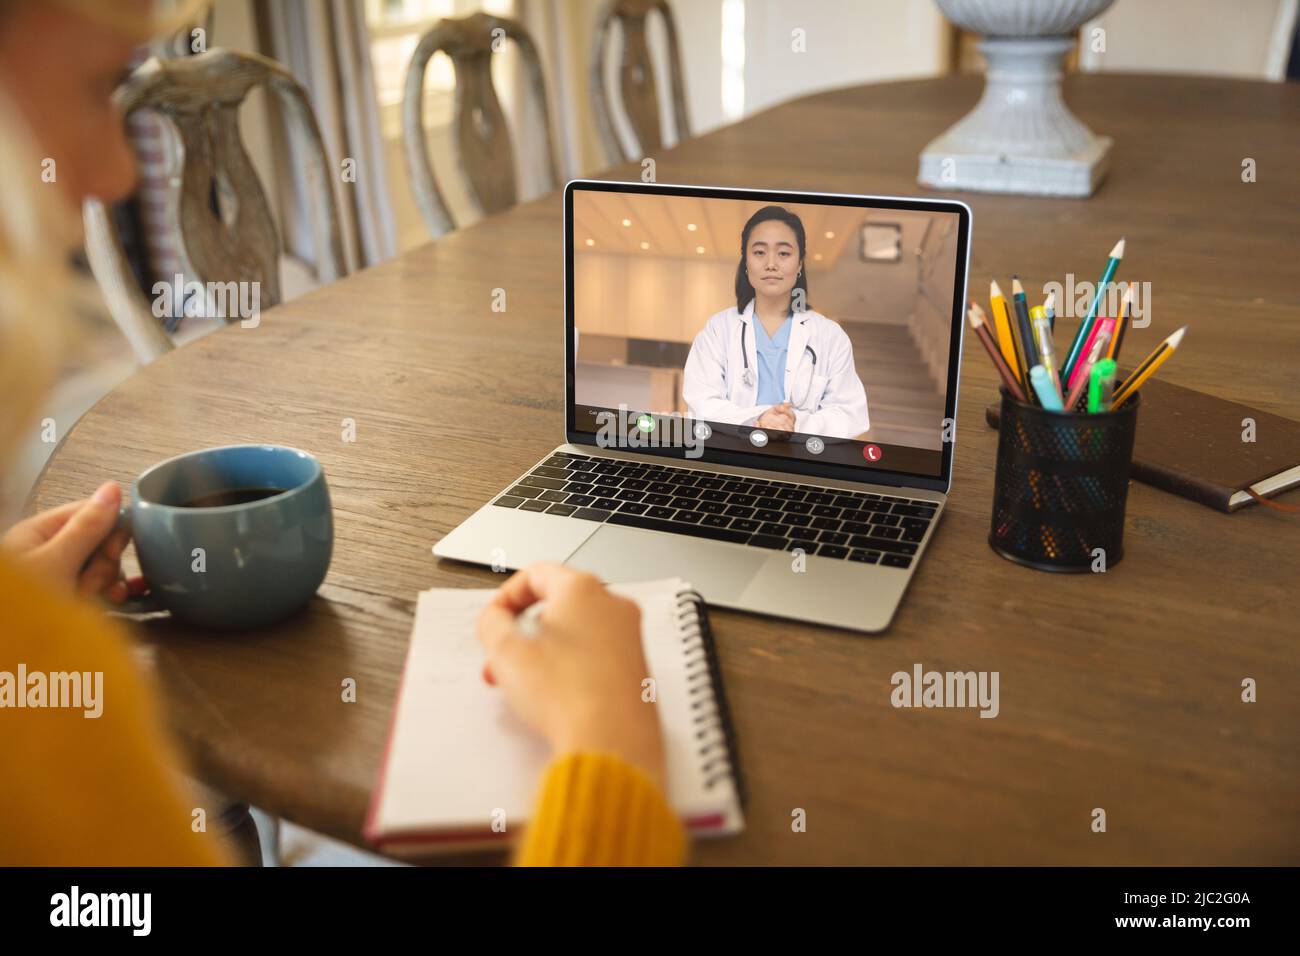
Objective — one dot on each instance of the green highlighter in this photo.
(1101, 386)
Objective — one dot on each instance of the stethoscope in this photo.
(747, 376)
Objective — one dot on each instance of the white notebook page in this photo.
(459, 758)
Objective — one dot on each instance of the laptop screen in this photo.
(806, 333)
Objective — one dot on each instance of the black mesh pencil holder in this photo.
(1061, 485)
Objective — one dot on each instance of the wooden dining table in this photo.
(1120, 691)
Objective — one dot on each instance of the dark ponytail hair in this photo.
(744, 289)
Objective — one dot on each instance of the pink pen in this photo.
(1088, 358)
(1078, 373)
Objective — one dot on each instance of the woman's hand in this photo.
(75, 545)
(576, 678)
(778, 417)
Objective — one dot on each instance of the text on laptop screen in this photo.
(792, 330)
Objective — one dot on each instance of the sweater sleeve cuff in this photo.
(595, 809)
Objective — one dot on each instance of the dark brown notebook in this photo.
(1190, 443)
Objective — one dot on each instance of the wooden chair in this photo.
(481, 139)
(216, 205)
(640, 97)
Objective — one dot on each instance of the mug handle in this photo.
(138, 604)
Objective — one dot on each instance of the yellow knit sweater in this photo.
(106, 791)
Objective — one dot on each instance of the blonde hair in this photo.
(39, 230)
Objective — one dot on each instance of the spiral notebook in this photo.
(462, 771)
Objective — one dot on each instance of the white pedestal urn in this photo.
(1021, 137)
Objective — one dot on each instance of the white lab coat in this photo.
(828, 397)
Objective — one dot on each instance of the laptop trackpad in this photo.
(720, 572)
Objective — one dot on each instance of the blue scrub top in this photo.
(771, 354)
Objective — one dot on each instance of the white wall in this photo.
(1241, 38)
(846, 42)
(650, 297)
(699, 34)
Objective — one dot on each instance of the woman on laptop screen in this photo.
(771, 361)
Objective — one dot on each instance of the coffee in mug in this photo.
(233, 537)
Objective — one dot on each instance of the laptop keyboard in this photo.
(827, 522)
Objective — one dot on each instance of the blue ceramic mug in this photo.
(232, 537)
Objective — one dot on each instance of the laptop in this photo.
(760, 398)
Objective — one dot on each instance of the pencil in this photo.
(980, 325)
(1125, 313)
(1001, 315)
(1002, 323)
(1085, 327)
(1049, 306)
(1148, 368)
(1026, 330)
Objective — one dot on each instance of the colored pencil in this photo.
(1021, 306)
(1002, 323)
(1148, 368)
(1085, 327)
(980, 325)
(1001, 315)
(1049, 306)
(1122, 323)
